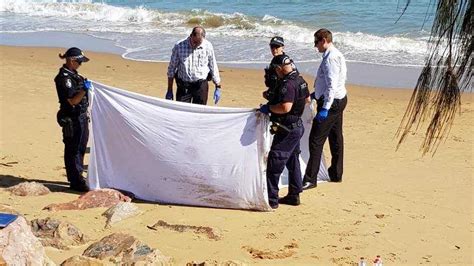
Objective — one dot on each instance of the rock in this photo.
(57, 234)
(29, 189)
(81, 261)
(92, 199)
(119, 212)
(8, 209)
(18, 245)
(120, 248)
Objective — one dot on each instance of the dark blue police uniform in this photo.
(74, 122)
(288, 130)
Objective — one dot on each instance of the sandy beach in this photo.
(407, 208)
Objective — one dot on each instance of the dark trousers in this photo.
(75, 148)
(331, 129)
(285, 151)
(192, 92)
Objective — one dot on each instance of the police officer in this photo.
(72, 116)
(277, 45)
(285, 114)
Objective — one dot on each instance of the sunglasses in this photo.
(274, 46)
(316, 41)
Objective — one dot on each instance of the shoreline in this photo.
(407, 208)
(359, 73)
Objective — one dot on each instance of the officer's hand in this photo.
(169, 95)
(217, 94)
(264, 109)
(87, 85)
(313, 96)
(322, 115)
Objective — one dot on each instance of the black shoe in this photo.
(79, 186)
(335, 180)
(274, 205)
(293, 200)
(309, 185)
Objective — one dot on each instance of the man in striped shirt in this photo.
(192, 64)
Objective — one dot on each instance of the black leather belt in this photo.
(335, 100)
(285, 127)
(193, 82)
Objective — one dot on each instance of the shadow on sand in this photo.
(7, 181)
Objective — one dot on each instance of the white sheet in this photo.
(179, 153)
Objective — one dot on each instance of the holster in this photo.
(66, 123)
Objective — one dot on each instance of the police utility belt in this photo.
(277, 127)
(66, 122)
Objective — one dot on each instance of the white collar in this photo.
(328, 50)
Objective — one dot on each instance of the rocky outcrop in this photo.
(57, 234)
(29, 189)
(119, 212)
(120, 248)
(18, 245)
(92, 199)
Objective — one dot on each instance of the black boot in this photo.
(80, 186)
(293, 200)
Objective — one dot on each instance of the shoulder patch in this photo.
(65, 74)
(68, 83)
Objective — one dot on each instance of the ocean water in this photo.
(364, 30)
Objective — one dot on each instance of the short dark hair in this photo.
(194, 32)
(323, 33)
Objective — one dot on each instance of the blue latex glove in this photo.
(264, 109)
(87, 85)
(169, 95)
(217, 94)
(322, 115)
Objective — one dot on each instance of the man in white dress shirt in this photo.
(192, 64)
(331, 96)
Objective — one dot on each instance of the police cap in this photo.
(277, 41)
(280, 60)
(76, 54)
